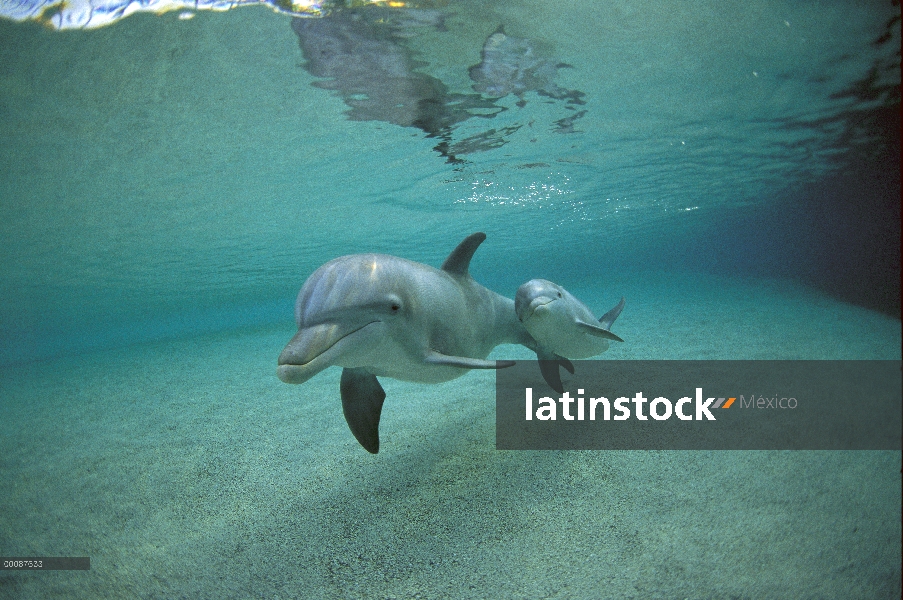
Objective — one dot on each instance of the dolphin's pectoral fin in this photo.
(602, 330)
(458, 262)
(550, 373)
(549, 364)
(362, 403)
(568, 365)
(437, 358)
(597, 331)
(608, 318)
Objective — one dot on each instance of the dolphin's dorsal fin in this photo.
(608, 318)
(458, 262)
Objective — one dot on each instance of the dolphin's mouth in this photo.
(289, 356)
(298, 361)
(537, 303)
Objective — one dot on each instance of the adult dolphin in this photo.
(383, 316)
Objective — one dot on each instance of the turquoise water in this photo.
(168, 185)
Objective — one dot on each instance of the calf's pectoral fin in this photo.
(437, 358)
(549, 364)
(597, 331)
(362, 403)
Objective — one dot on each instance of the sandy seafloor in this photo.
(186, 469)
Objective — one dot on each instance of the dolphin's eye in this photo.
(395, 308)
(559, 294)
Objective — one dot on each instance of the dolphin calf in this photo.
(377, 315)
(562, 326)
